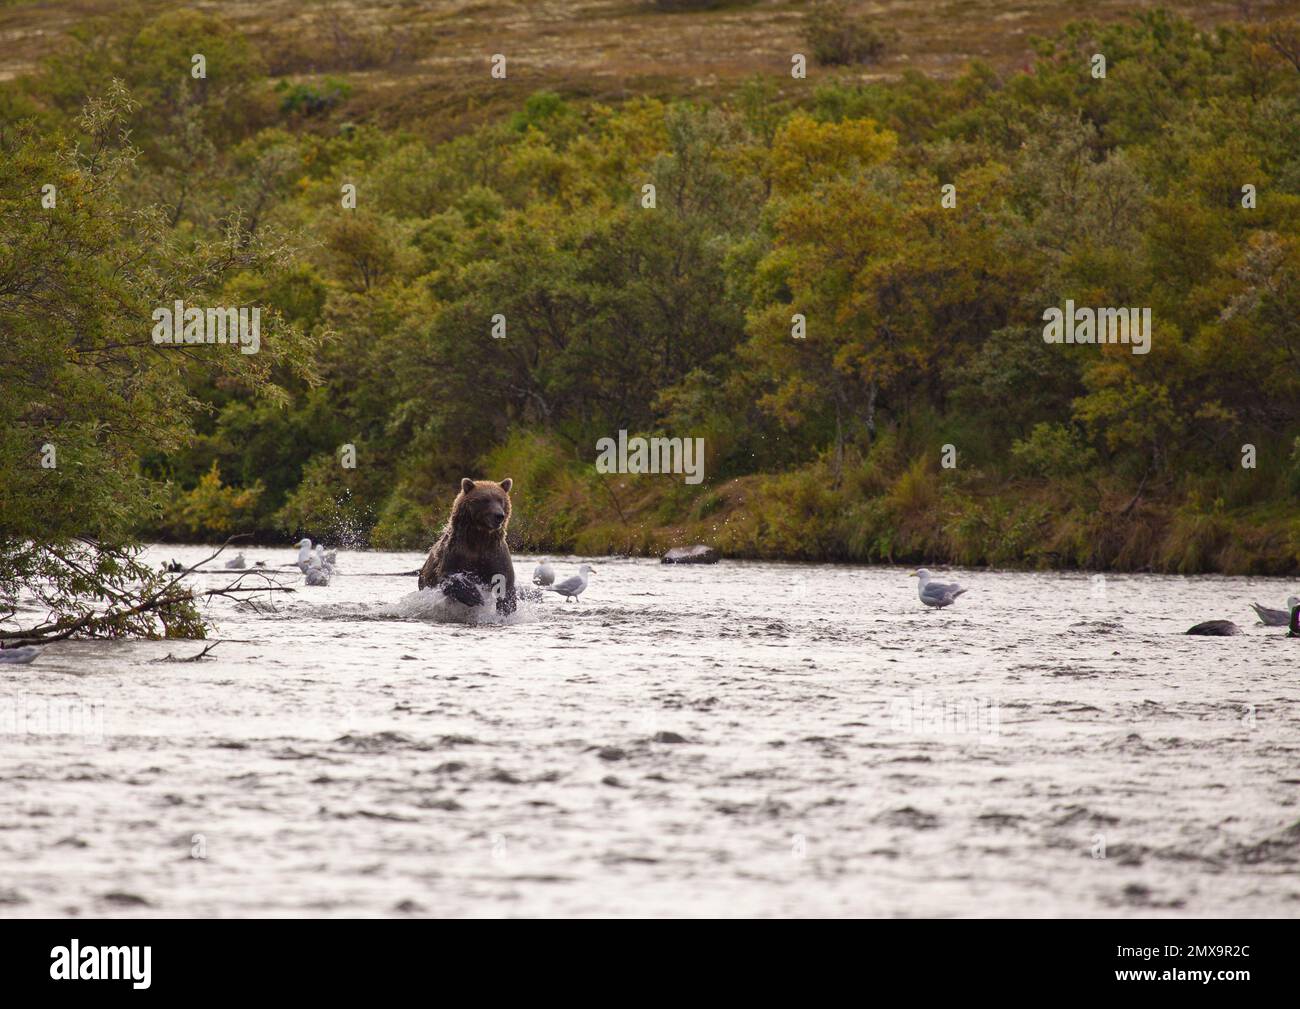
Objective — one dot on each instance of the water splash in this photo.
(433, 605)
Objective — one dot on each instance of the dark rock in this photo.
(668, 737)
(122, 899)
(1216, 629)
(698, 554)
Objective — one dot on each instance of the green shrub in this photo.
(838, 37)
(404, 525)
(325, 507)
(211, 510)
(312, 98)
(1053, 450)
(1195, 538)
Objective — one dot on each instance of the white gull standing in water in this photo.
(573, 587)
(323, 562)
(936, 594)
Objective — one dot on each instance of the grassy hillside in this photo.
(423, 65)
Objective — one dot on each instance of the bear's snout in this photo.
(495, 518)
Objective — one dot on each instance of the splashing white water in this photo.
(433, 605)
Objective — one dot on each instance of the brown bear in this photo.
(471, 554)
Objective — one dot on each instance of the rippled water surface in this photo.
(741, 739)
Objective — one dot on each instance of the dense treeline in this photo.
(924, 322)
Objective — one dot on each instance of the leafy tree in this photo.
(87, 393)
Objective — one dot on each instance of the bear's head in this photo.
(482, 507)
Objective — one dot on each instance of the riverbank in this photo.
(866, 513)
(875, 513)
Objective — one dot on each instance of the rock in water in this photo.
(1216, 629)
(698, 554)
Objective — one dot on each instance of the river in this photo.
(738, 739)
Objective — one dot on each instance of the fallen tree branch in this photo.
(169, 657)
(168, 599)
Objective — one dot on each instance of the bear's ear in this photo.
(466, 485)
(506, 484)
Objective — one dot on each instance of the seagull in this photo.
(1276, 618)
(936, 594)
(304, 555)
(573, 587)
(543, 574)
(19, 656)
(173, 566)
(237, 562)
(316, 575)
(321, 561)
